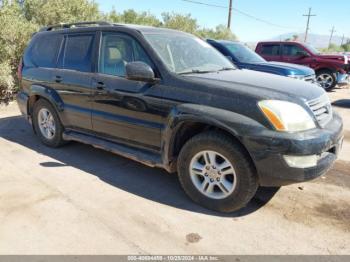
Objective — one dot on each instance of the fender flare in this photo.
(330, 68)
(231, 122)
(49, 94)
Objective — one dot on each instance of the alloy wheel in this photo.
(325, 80)
(213, 174)
(46, 123)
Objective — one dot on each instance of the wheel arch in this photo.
(183, 126)
(37, 92)
(323, 68)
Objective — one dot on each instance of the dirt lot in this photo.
(81, 200)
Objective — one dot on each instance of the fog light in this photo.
(301, 161)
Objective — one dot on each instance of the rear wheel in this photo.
(216, 172)
(327, 79)
(47, 124)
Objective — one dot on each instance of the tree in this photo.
(15, 31)
(132, 17)
(49, 12)
(180, 22)
(220, 32)
(333, 48)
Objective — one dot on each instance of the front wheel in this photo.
(216, 172)
(326, 79)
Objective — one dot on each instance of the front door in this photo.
(124, 110)
(295, 54)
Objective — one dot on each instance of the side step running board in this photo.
(139, 155)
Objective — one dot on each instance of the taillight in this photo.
(19, 71)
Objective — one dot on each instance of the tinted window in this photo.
(292, 50)
(243, 53)
(43, 52)
(78, 52)
(273, 50)
(117, 51)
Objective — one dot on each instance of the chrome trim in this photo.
(322, 109)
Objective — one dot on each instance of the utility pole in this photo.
(330, 39)
(342, 40)
(308, 24)
(229, 15)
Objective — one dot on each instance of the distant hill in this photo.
(318, 41)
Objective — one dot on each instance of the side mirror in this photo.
(139, 71)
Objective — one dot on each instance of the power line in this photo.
(201, 3)
(238, 11)
(307, 24)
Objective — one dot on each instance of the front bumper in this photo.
(343, 79)
(268, 150)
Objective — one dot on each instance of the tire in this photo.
(243, 178)
(327, 79)
(55, 140)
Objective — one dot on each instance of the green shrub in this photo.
(7, 83)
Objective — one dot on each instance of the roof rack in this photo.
(73, 25)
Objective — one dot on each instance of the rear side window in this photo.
(44, 51)
(272, 49)
(78, 52)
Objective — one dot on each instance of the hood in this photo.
(343, 59)
(258, 84)
(290, 69)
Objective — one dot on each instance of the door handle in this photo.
(58, 79)
(100, 85)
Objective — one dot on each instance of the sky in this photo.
(285, 15)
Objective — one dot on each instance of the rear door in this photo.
(73, 79)
(271, 52)
(40, 60)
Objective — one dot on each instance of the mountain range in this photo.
(318, 41)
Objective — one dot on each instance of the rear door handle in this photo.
(99, 85)
(58, 79)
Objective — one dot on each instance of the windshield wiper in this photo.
(226, 69)
(195, 71)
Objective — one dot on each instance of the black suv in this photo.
(168, 99)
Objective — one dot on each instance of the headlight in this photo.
(300, 77)
(286, 116)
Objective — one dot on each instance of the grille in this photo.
(322, 109)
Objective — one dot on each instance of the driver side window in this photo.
(292, 50)
(116, 51)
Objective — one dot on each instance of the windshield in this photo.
(243, 54)
(312, 49)
(184, 54)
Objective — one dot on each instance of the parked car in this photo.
(330, 69)
(243, 57)
(168, 99)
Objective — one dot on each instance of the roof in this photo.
(277, 42)
(94, 25)
(224, 41)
